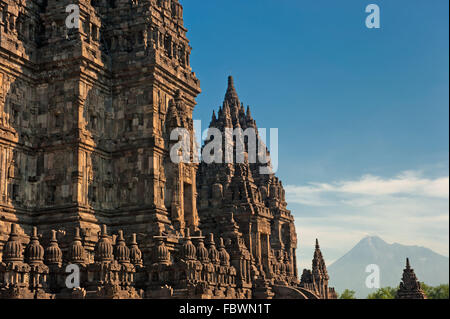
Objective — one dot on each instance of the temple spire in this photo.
(319, 267)
(249, 114)
(231, 85)
(231, 95)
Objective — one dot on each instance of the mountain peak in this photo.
(373, 238)
(349, 271)
(372, 241)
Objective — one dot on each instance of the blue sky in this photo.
(358, 110)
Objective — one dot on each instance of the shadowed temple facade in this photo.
(86, 177)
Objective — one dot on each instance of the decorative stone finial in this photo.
(122, 251)
(212, 250)
(76, 249)
(104, 249)
(224, 257)
(135, 252)
(34, 250)
(202, 252)
(12, 251)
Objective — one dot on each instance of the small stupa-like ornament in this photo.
(410, 287)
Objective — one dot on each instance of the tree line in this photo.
(437, 292)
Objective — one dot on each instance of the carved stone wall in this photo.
(85, 121)
(84, 115)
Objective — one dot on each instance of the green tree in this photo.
(348, 294)
(438, 292)
(383, 293)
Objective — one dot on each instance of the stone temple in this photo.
(410, 287)
(86, 179)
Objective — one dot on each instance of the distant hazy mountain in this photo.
(348, 272)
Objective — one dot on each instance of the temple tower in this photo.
(410, 286)
(316, 279)
(233, 186)
(86, 114)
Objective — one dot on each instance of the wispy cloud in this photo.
(407, 208)
(409, 183)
